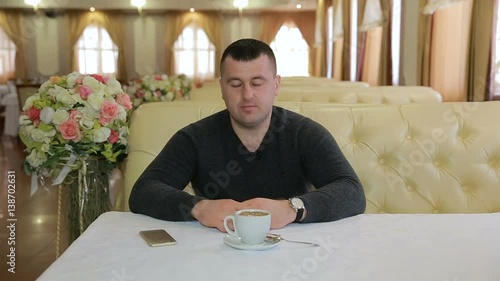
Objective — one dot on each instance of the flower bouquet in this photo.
(75, 130)
(154, 88)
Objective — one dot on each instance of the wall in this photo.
(47, 49)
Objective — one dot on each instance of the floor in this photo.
(35, 232)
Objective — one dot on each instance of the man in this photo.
(252, 155)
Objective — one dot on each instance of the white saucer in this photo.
(237, 244)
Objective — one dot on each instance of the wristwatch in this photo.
(298, 205)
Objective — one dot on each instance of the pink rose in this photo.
(140, 93)
(158, 78)
(75, 115)
(157, 94)
(84, 91)
(70, 130)
(104, 121)
(114, 137)
(100, 78)
(109, 109)
(33, 114)
(124, 100)
(79, 80)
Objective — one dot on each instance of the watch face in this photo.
(297, 203)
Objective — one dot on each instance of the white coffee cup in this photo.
(250, 225)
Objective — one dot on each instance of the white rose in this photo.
(114, 87)
(26, 130)
(36, 158)
(123, 133)
(60, 116)
(29, 101)
(24, 120)
(170, 96)
(76, 97)
(95, 100)
(71, 78)
(42, 136)
(45, 147)
(148, 95)
(101, 135)
(46, 115)
(92, 83)
(63, 96)
(88, 117)
(122, 114)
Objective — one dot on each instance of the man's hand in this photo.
(211, 213)
(281, 212)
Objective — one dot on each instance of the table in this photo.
(374, 247)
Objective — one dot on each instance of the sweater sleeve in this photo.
(159, 190)
(339, 193)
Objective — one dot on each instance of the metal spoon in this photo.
(277, 237)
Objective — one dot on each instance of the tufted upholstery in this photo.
(349, 95)
(416, 158)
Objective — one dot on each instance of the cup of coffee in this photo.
(250, 225)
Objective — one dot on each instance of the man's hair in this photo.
(248, 49)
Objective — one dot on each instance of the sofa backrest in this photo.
(348, 95)
(415, 158)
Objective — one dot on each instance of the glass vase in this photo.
(88, 191)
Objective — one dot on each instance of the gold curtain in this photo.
(373, 28)
(303, 22)
(385, 69)
(210, 22)
(434, 5)
(449, 51)
(338, 40)
(11, 24)
(112, 22)
(346, 44)
(271, 23)
(424, 46)
(482, 36)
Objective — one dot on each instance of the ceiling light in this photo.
(240, 3)
(298, 6)
(139, 4)
(92, 9)
(192, 10)
(33, 3)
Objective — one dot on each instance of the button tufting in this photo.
(435, 211)
(381, 212)
(409, 137)
(381, 161)
(409, 188)
(437, 163)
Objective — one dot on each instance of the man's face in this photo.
(248, 89)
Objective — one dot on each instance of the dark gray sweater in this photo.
(298, 157)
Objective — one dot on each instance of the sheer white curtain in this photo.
(434, 5)
(194, 54)
(96, 52)
(291, 51)
(7, 57)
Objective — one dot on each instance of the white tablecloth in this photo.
(366, 247)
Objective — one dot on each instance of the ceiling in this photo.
(158, 5)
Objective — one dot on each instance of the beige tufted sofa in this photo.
(348, 95)
(416, 158)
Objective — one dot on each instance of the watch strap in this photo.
(300, 212)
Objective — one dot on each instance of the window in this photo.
(291, 51)
(194, 54)
(396, 41)
(96, 52)
(330, 39)
(7, 57)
